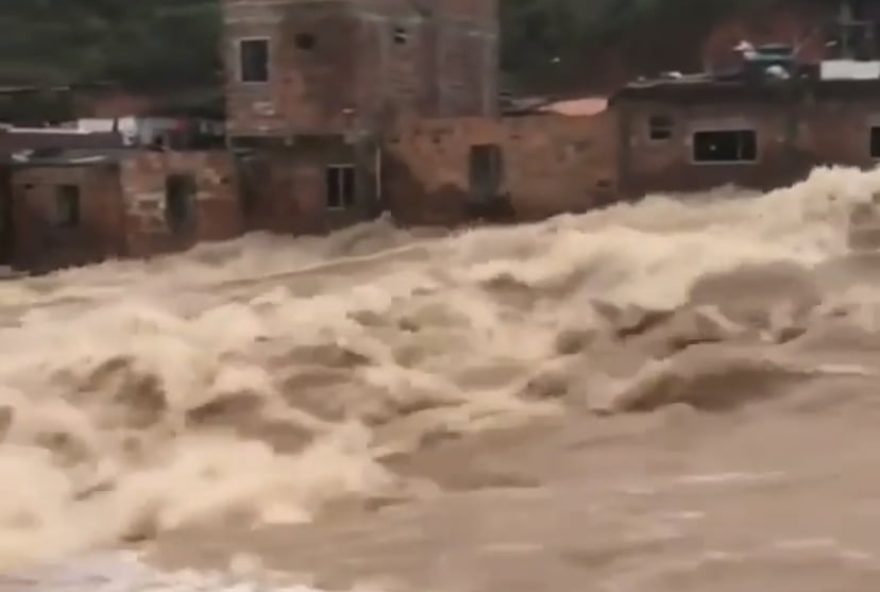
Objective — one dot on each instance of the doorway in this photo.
(486, 171)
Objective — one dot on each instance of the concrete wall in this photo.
(358, 75)
(217, 209)
(39, 243)
(552, 164)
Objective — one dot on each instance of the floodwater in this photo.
(677, 395)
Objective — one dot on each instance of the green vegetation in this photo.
(139, 43)
(563, 43)
(166, 43)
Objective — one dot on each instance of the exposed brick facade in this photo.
(795, 129)
(120, 208)
(39, 242)
(216, 209)
(549, 165)
(340, 65)
(288, 190)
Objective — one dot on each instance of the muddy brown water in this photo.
(675, 395)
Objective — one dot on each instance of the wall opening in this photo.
(727, 146)
(253, 57)
(486, 170)
(401, 36)
(340, 186)
(67, 206)
(305, 41)
(875, 142)
(659, 128)
(180, 194)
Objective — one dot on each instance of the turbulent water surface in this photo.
(670, 396)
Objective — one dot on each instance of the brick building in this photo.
(444, 171)
(313, 85)
(336, 67)
(698, 133)
(79, 206)
(340, 109)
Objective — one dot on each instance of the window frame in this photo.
(344, 205)
(239, 59)
(740, 162)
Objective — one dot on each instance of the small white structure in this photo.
(850, 70)
(135, 131)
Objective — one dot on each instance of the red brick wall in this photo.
(286, 188)
(217, 214)
(39, 243)
(793, 136)
(552, 164)
(447, 65)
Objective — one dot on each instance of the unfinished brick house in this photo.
(445, 171)
(313, 84)
(78, 206)
(701, 132)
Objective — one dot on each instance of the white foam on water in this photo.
(265, 379)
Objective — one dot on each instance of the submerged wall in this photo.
(548, 165)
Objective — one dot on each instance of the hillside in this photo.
(138, 43)
(548, 44)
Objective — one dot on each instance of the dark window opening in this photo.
(340, 181)
(254, 60)
(726, 146)
(180, 193)
(875, 142)
(660, 128)
(67, 206)
(305, 41)
(486, 170)
(400, 36)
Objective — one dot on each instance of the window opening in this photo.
(254, 60)
(340, 181)
(180, 191)
(875, 142)
(67, 206)
(660, 128)
(729, 146)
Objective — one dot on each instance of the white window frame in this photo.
(342, 166)
(240, 63)
(692, 144)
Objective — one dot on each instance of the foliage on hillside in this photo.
(136, 42)
(170, 42)
(559, 43)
